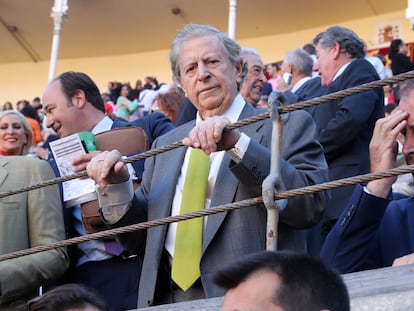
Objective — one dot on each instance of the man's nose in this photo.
(203, 72)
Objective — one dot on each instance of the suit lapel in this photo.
(223, 193)
(3, 171)
(172, 164)
(226, 184)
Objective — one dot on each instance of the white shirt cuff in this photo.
(114, 200)
(237, 152)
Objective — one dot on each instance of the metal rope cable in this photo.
(226, 207)
(214, 210)
(238, 124)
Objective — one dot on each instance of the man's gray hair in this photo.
(301, 60)
(245, 68)
(191, 31)
(249, 51)
(349, 42)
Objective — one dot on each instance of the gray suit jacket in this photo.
(229, 236)
(26, 220)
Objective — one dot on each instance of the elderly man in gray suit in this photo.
(207, 65)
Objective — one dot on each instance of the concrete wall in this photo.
(386, 289)
(27, 80)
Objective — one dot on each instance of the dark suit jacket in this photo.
(345, 127)
(308, 90)
(400, 63)
(228, 236)
(370, 233)
(187, 113)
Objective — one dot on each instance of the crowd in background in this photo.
(26, 131)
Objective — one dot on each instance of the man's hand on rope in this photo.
(209, 135)
(107, 168)
(383, 150)
(79, 163)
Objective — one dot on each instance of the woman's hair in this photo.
(170, 103)
(68, 296)
(394, 47)
(7, 106)
(27, 128)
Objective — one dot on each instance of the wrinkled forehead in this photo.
(200, 45)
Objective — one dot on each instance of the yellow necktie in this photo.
(188, 241)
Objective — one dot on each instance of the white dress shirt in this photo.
(115, 199)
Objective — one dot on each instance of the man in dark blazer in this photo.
(72, 104)
(374, 231)
(344, 126)
(299, 64)
(207, 64)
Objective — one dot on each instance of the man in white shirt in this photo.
(207, 65)
(72, 103)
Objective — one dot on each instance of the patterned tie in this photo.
(188, 241)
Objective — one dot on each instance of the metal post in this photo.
(409, 13)
(232, 19)
(59, 16)
(272, 182)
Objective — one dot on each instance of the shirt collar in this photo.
(299, 84)
(104, 125)
(233, 112)
(340, 71)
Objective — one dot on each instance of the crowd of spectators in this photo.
(328, 142)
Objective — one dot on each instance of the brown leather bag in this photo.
(128, 141)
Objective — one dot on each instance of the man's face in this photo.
(325, 65)
(207, 76)
(271, 71)
(62, 115)
(254, 294)
(252, 86)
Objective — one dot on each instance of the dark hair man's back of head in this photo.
(307, 284)
(74, 81)
(68, 297)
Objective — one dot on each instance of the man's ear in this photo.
(289, 68)
(241, 71)
(239, 67)
(178, 84)
(79, 99)
(336, 50)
